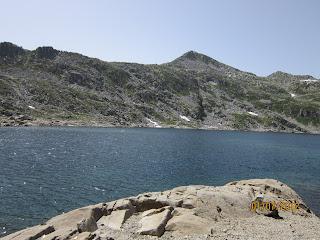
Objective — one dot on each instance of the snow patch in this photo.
(155, 124)
(309, 80)
(185, 118)
(253, 114)
(31, 107)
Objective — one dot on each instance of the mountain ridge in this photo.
(190, 54)
(51, 87)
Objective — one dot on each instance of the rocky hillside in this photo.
(191, 212)
(51, 87)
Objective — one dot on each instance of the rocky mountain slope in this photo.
(190, 212)
(51, 87)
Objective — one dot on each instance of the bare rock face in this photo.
(271, 191)
(188, 212)
(31, 233)
(154, 221)
(185, 222)
(84, 236)
(115, 219)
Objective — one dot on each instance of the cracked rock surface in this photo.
(188, 212)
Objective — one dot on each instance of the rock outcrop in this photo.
(9, 50)
(153, 221)
(46, 52)
(189, 212)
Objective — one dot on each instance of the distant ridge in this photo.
(46, 86)
(284, 75)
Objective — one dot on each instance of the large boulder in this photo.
(154, 221)
(185, 222)
(115, 219)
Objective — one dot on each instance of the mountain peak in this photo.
(195, 56)
(195, 61)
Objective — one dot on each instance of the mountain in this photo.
(51, 87)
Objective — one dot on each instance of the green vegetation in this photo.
(304, 111)
(244, 120)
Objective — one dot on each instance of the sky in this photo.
(259, 36)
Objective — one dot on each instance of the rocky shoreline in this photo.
(188, 212)
(25, 121)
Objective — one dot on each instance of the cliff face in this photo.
(51, 87)
(190, 212)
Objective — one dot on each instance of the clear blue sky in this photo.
(258, 36)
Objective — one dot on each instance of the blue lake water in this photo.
(47, 171)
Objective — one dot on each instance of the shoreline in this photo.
(93, 124)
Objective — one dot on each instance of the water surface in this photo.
(47, 171)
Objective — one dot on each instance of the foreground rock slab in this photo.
(154, 222)
(184, 222)
(188, 212)
(32, 233)
(115, 219)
